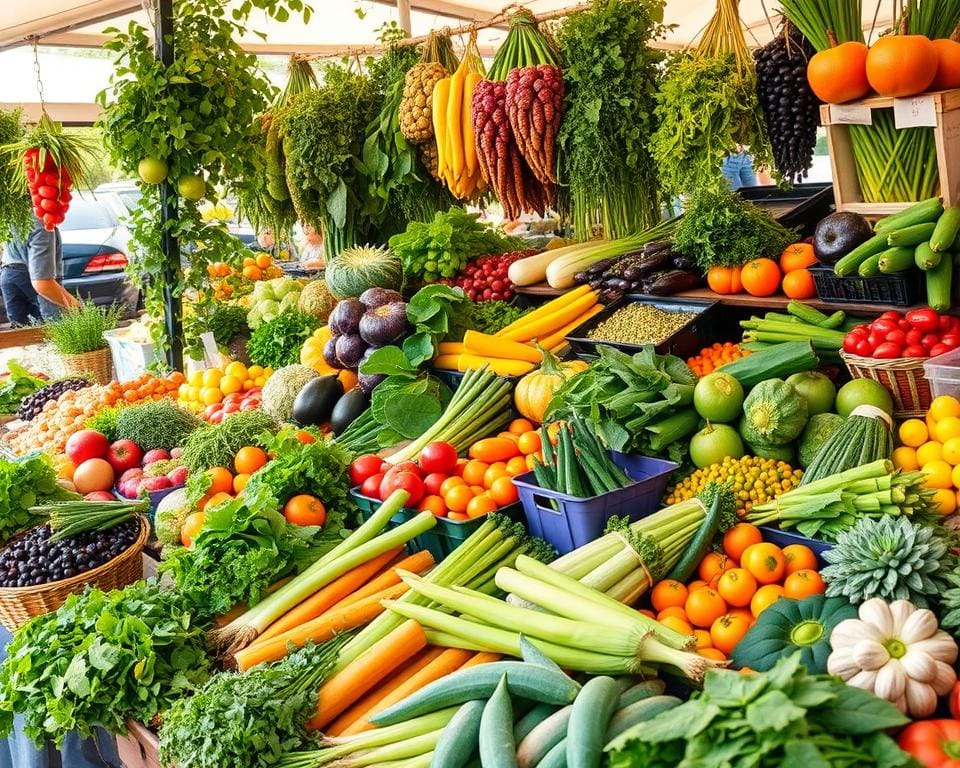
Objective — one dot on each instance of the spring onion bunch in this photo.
(68, 518)
(579, 466)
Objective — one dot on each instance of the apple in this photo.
(159, 483)
(100, 496)
(176, 453)
(157, 454)
(94, 475)
(124, 455)
(129, 489)
(178, 475)
(86, 444)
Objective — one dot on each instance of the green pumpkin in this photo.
(356, 269)
(788, 626)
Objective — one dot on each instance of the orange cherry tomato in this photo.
(801, 584)
(493, 449)
(480, 505)
(450, 482)
(520, 426)
(737, 586)
(672, 610)
(474, 471)
(529, 443)
(240, 482)
(494, 472)
(221, 480)
(434, 505)
(217, 499)
(668, 593)
(504, 492)
(727, 631)
(457, 498)
(704, 606)
(714, 564)
(764, 597)
(765, 561)
(517, 466)
(249, 459)
(305, 509)
(799, 557)
(738, 538)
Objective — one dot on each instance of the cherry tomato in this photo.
(897, 337)
(914, 350)
(410, 466)
(438, 457)
(371, 486)
(929, 340)
(365, 466)
(432, 483)
(874, 338)
(406, 481)
(951, 340)
(903, 325)
(884, 326)
(887, 351)
(913, 336)
(938, 349)
(850, 342)
(924, 320)
(864, 348)
(890, 315)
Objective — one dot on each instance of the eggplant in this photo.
(315, 403)
(377, 297)
(653, 262)
(600, 266)
(674, 281)
(345, 318)
(330, 353)
(656, 246)
(350, 349)
(348, 408)
(384, 324)
(682, 261)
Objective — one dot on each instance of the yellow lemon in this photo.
(930, 451)
(211, 395)
(267, 372)
(248, 385)
(943, 407)
(259, 381)
(913, 432)
(951, 451)
(938, 474)
(254, 370)
(195, 394)
(905, 458)
(196, 379)
(211, 377)
(946, 501)
(931, 424)
(947, 428)
(955, 475)
(230, 384)
(236, 369)
(183, 391)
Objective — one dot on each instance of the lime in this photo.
(863, 392)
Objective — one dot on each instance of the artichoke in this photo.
(416, 116)
(889, 557)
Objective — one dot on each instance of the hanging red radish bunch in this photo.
(49, 186)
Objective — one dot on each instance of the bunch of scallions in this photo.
(68, 518)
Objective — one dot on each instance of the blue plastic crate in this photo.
(567, 522)
(786, 538)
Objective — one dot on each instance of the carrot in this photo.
(498, 365)
(418, 563)
(546, 309)
(356, 713)
(476, 343)
(547, 324)
(446, 362)
(558, 337)
(343, 689)
(450, 347)
(318, 630)
(481, 657)
(447, 662)
(327, 597)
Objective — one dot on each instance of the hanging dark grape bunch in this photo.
(790, 109)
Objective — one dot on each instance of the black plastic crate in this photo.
(903, 289)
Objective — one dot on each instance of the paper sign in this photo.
(851, 114)
(914, 112)
(211, 354)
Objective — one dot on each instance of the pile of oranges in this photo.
(145, 387)
(226, 279)
(932, 445)
(733, 589)
(209, 387)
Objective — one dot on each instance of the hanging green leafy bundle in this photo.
(15, 214)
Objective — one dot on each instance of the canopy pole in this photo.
(403, 13)
(172, 317)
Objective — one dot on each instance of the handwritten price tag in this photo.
(851, 114)
(914, 112)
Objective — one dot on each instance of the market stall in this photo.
(672, 480)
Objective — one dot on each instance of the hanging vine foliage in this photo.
(15, 215)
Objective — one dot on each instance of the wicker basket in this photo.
(20, 604)
(98, 364)
(902, 377)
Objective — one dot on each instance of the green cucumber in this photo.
(592, 710)
(529, 681)
(497, 747)
(849, 264)
(531, 720)
(543, 738)
(895, 260)
(533, 655)
(834, 321)
(699, 545)
(641, 691)
(458, 742)
(776, 362)
(807, 314)
(939, 281)
(947, 229)
(625, 721)
(870, 267)
(556, 757)
(918, 213)
(912, 235)
(924, 257)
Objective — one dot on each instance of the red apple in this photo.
(178, 475)
(159, 483)
(134, 473)
(124, 455)
(86, 444)
(176, 453)
(157, 454)
(100, 496)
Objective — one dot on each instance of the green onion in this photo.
(68, 518)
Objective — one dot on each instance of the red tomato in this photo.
(409, 466)
(458, 470)
(211, 409)
(924, 320)
(890, 314)
(371, 486)
(884, 326)
(864, 348)
(887, 351)
(897, 337)
(938, 349)
(438, 457)
(914, 336)
(946, 322)
(932, 742)
(929, 340)
(364, 467)
(433, 481)
(217, 417)
(951, 340)
(231, 408)
(903, 325)
(406, 481)
(914, 350)
(850, 342)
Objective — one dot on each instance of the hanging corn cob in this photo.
(419, 88)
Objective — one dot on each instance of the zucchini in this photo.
(458, 742)
(543, 738)
(834, 321)
(531, 720)
(533, 655)
(528, 681)
(895, 260)
(625, 721)
(592, 710)
(870, 267)
(918, 213)
(776, 362)
(924, 257)
(699, 545)
(809, 315)
(641, 691)
(861, 439)
(912, 235)
(497, 747)
(556, 757)
(947, 229)
(939, 280)
(849, 264)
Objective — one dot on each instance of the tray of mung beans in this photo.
(673, 325)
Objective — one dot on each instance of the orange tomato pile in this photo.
(254, 268)
(764, 277)
(145, 387)
(932, 445)
(733, 589)
(712, 357)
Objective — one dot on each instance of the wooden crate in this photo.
(846, 185)
(138, 749)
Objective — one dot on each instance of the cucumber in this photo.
(641, 691)
(531, 720)
(528, 681)
(939, 280)
(533, 655)
(458, 742)
(497, 747)
(870, 267)
(850, 263)
(895, 260)
(834, 321)
(592, 710)
(699, 545)
(809, 315)
(556, 757)
(628, 718)
(776, 362)
(924, 256)
(912, 235)
(543, 738)
(947, 229)
(918, 213)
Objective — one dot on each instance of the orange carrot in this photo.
(417, 563)
(318, 630)
(449, 661)
(358, 711)
(481, 657)
(327, 597)
(369, 669)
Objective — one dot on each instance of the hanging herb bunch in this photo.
(611, 76)
(15, 216)
(195, 123)
(707, 108)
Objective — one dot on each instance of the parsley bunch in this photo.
(277, 342)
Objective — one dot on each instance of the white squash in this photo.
(898, 652)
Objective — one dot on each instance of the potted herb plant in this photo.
(77, 335)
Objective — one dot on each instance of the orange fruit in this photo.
(696, 584)
(677, 625)
(737, 586)
(252, 272)
(217, 499)
(450, 482)
(727, 631)
(672, 610)
(712, 653)
(703, 639)
(504, 492)
(801, 584)
(517, 466)
(221, 480)
(529, 443)
(913, 433)
(474, 471)
(433, 504)
(520, 426)
(480, 505)
(704, 606)
(249, 459)
(713, 564)
(799, 557)
(478, 490)
(943, 407)
(764, 597)
(240, 482)
(263, 260)
(304, 509)
(938, 474)
(738, 538)
(458, 497)
(765, 561)
(760, 277)
(494, 472)
(799, 284)
(946, 501)
(668, 593)
(191, 527)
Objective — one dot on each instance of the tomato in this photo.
(874, 338)
(887, 350)
(403, 481)
(217, 417)
(438, 457)
(365, 466)
(954, 700)
(946, 322)
(914, 350)
(938, 349)
(890, 314)
(884, 326)
(935, 743)
(897, 337)
(409, 466)
(433, 482)
(371, 486)
(305, 509)
(864, 348)
(210, 410)
(929, 340)
(913, 336)
(951, 340)
(230, 408)
(850, 342)
(924, 320)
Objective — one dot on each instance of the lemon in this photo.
(943, 407)
(946, 501)
(259, 381)
(913, 432)
(196, 379)
(248, 385)
(938, 474)
(947, 428)
(211, 377)
(955, 476)
(951, 451)
(905, 458)
(230, 384)
(930, 451)
(254, 370)
(211, 395)
(236, 369)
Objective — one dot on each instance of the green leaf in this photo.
(773, 711)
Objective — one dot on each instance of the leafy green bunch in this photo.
(277, 342)
(24, 483)
(15, 214)
(80, 329)
(18, 385)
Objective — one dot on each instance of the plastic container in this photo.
(440, 540)
(786, 538)
(130, 358)
(903, 289)
(943, 373)
(567, 522)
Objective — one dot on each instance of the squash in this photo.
(311, 355)
(948, 65)
(839, 73)
(788, 626)
(774, 413)
(534, 391)
(361, 267)
(724, 280)
(901, 65)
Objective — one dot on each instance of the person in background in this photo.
(31, 277)
(310, 248)
(738, 169)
